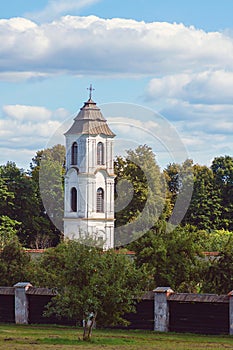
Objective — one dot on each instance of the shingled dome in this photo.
(90, 121)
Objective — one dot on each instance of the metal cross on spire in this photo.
(90, 91)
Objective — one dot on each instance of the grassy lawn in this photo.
(18, 337)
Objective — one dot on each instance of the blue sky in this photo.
(171, 57)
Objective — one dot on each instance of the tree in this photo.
(23, 203)
(8, 230)
(140, 193)
(179, 180)
(205, 208)
(52, 192)
(14, 264)
(6, 197)
(174, 182)
(219, 274)
(170, 257)
(222, 168)
(8, 226)
(90, 282)
(214, 241)
(47, 172)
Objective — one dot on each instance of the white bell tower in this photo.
(89, 179)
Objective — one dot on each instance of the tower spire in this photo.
(90, 91)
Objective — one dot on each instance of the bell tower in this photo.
(89, 179)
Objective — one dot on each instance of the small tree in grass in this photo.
(93, 286)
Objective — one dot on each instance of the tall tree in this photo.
(179, 180)
(219, 274)
(23, 202)
(222, 168)
(170, 257)
(205, 208)
(14, 264)
(8, 230)
(47, 172)
(142, 195)
(6, 197)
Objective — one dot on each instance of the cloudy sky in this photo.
(170, 57)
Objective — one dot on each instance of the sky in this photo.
(162, 72)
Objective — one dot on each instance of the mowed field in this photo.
(18, 337)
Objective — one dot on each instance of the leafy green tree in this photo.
(6, 197)
(171, 257)
(222, 168)
(14, 264)
(141, 198)
(174, 182)
(205, 208)
(8, 226)
(214, 241)
(52, 192)
(8, 230)
(179, 180)
(47, 172)
(219, 274)
(24, 203)
(90, 282)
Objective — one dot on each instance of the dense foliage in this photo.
(146, 196)
(21, 198)
(90, 281)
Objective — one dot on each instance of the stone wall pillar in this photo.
(21, 302)
(161, 309)
(230, 294)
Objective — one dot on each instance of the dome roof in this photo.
(90, 121)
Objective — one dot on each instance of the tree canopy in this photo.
(146, 198)
(90, 281)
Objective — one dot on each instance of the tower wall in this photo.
(89, 180)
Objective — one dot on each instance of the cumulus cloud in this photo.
(81, 45)
(55, 8)
(15, 77)
(191, 73)
(27, 113)
(22, 155)
(24, 129)
(205, 129)
(207, 87)
(200, 104)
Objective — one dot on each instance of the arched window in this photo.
(100, 153)
(74, 153)
(73, 199)
(100, 200)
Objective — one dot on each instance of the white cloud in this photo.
(22, 156)
(210, 87)
(15, 77)
(81, 45)
(191, 74)
(56, 8)
(27, 113)
(206, 130)
(24, 129)
(200, 104)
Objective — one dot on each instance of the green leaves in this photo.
(140, 196)
(14, 264)
(171, 257)
(90, 280)
(8, 230)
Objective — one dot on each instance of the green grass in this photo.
(33, 337)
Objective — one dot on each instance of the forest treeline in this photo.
(31, 201)
(138, 177)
